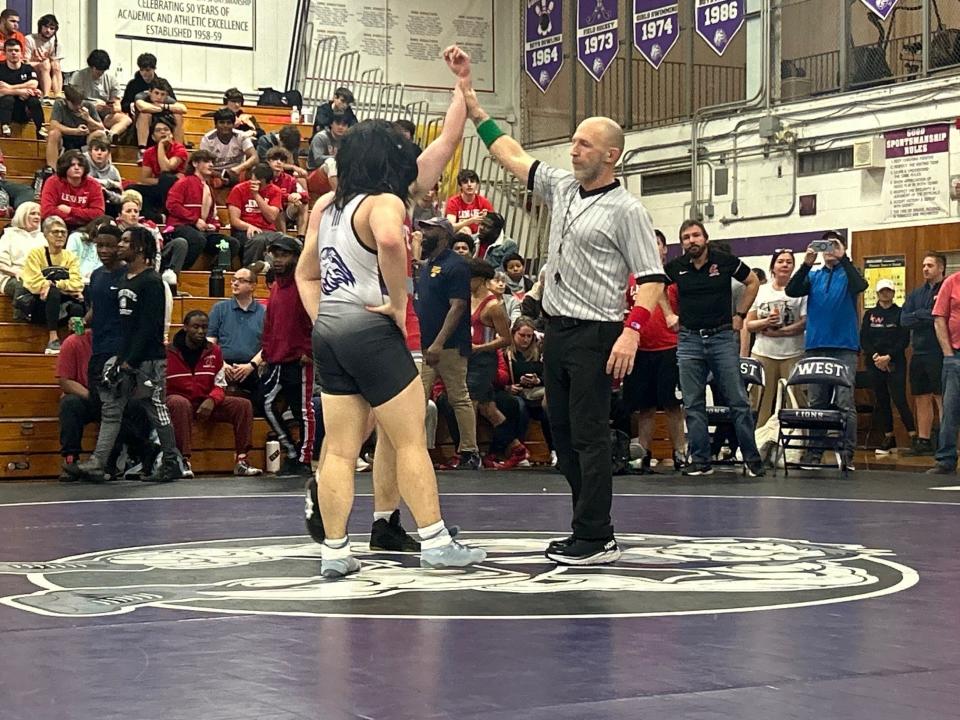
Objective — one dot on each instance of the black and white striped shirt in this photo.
(597, 239)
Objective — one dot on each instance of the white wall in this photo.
(846, 199)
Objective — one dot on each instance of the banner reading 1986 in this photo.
(718, 21)
(543, 49)
(597, 38)
(656, 28)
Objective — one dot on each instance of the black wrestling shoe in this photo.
(586, 552)
(312, 512)
(390, 535)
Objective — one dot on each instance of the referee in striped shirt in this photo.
(599, 235)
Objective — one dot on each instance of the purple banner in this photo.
(598, 41)
(925, 140)
(543, 49)
(656, 28)
(718, 21)
(881, 8)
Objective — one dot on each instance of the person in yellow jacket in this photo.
(52, 276)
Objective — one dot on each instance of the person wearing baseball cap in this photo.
(884, 341)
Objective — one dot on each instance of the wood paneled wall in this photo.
(911, 242)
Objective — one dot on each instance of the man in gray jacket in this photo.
(324, 144)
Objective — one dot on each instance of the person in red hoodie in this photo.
(192, 209)
(288, 353)
(72, 194)
(195, 391)
(254, 206)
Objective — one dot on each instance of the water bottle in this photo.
(295, 115)
(273, 456)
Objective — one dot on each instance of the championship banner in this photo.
(543, 49)
(217, 23)
(718, 21)
(597, 37)
(656, 29)
(880, 8)
(916, 176)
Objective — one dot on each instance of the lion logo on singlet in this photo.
(334, 271)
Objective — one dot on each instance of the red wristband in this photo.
(637, 318)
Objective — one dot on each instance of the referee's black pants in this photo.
(578, 392)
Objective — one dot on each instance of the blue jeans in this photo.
(718, 354)
(950, 379)
(818, 396)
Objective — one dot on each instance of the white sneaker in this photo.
(553, 458)
(362, 465)
(169, 277)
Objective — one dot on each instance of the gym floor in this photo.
(807, 597)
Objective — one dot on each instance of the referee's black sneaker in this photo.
(312, 512)
(390, 535)
(560, 543)
(586, 552)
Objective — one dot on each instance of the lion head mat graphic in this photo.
(658, 575)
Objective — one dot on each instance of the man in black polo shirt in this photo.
(443, 308)
(709, 342)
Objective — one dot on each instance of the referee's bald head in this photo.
(597, 146)
(607, 131)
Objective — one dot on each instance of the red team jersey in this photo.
(459, 209)
(241, 197)
(655, 335)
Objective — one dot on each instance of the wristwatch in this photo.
(741, 315)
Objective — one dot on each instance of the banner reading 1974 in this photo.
(718, 21)
(543, 49)
(597, 38)
(656, 28)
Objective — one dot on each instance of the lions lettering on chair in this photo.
(335, 271)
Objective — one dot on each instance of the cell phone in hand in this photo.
(822, 245)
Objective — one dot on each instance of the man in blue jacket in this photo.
(926, 365)
(832, 325)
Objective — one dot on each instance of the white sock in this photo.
(335, 549)
(433, 536)
(382, 516)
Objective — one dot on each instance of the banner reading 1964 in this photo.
(222, 23)
(718, 21)
(543, 49)
(597, 37)
(656, 28)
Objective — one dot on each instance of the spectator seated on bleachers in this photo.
(172, 250)
(498, 286)
(163, 163)
(493, 245)
(104, 171)
(518, 281)
(52, 286)
(293, 194)
(246, 123)
(463, 244)
(44, 52)
(18, 193)
(20, 237)
(100, 87)
(236, 325)
(233, 153)
(82, 242)
(323, 145)
(72, 119)
(196, 391)
(465, 209)
(427, 206)
(191, 209)
(159, 98)
(254, 206)
(10, 29)
(19, 91)
(287, 137)
(524, 366)
(71, 194)
(341, 102)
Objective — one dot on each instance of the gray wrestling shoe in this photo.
(339, 568)
(453, 554)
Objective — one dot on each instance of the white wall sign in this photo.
(916, 181)
(218, 23)
(407, 39)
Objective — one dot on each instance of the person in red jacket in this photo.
(72, 194)
(195, 391)
(288, 354)
(192, 209)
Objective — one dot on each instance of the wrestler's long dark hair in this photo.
(374, 158)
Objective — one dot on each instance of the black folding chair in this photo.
(721, 416)
(814, 429)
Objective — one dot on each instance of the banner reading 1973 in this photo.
(543, 49)
(597, 38)
(718, 21)
(656, 28)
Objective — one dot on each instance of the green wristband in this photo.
(489, 131)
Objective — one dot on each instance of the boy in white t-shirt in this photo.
(45, 53)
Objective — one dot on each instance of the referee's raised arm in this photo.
(507, 151)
